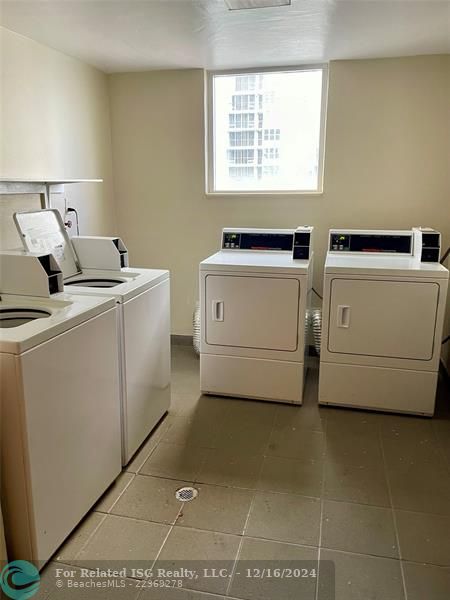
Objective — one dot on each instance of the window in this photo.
(243, 101)
(245, 83)
(277, 118)
(241, 173)
(242, 138)
(271, 134)
(271, 154)
(271, 171)
(241, 157)
(241, 120)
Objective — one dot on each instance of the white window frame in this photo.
(209, 131)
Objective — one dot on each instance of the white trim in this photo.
(209, 130)
(281, 69)
(209, 140)
(267, 193)
(47, 181)
(43, 187)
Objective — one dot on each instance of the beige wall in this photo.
(55, 124)
(386, 165)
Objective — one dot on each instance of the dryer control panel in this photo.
(298, 241)
(275, 240)
(431, 244)
(422, 243)
(302, 243)
(388, 242)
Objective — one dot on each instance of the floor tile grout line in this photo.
(240, 488)
(157, 440)
(108, 512)
(171, 527)
(322, 503)
(369, 554)
(394, 517)
(238, 552)
(140, 520)
(391, 558)
(160, 549)
(199, 470)
(213, 594)
(277, 541)
(446, 568)
(146, 458)
(91, 535)
(205, 482)
(255, 492)
(253, 537)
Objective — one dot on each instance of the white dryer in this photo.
(254, 297)
(59, 389)
(383, 314)
(143, 299)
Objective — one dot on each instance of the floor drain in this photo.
(186, 494)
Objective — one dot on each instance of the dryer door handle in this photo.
(343, 316)
(217, 310)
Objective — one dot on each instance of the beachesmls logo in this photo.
(20, 580)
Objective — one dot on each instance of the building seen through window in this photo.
(267, 130)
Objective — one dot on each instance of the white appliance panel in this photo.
(71, 429)
(252, 312)
(252, 378)
(393, 319)
(146, 345)
(378, 388)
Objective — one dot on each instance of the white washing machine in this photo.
(143, 299)
(254, 297)
(59, 388)
(383, 312)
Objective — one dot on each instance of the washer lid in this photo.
(43, 231)
(66, 312)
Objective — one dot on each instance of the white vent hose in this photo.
(315, 315)
(196, 328)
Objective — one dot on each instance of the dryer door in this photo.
(252, 312)
(392, 319)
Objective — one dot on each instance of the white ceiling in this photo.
(132, 35)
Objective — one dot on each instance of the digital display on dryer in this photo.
(340, 242)
(370, 243)
(231, 240)
(258, 241)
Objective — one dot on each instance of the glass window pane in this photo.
(277, 113)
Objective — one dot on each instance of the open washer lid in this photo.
(43, 231)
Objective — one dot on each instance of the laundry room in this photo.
(224, 305)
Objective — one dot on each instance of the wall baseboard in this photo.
(181, 340)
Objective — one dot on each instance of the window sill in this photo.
(267, 193)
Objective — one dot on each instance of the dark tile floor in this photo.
(369, 492)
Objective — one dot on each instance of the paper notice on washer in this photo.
(43, 233)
